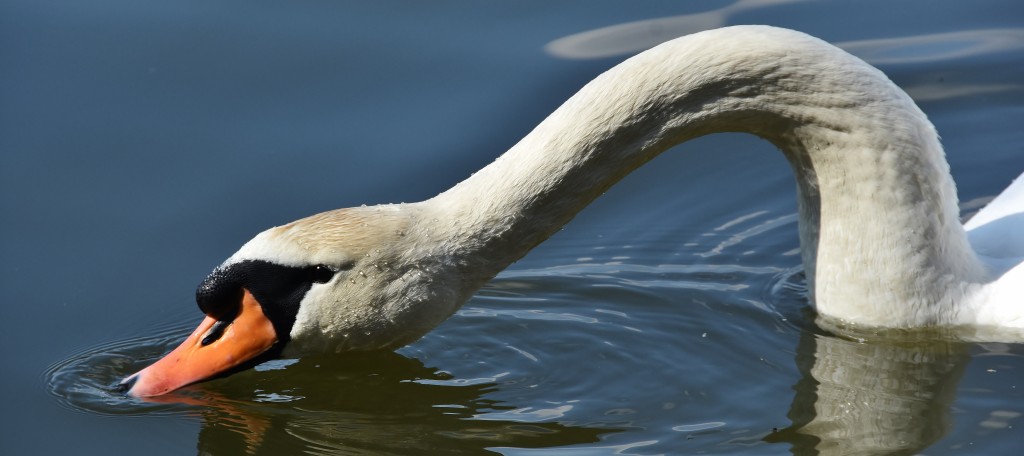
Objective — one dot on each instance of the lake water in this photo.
(141, 143)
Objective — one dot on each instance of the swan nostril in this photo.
(214, 333)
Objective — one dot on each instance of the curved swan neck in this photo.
(879, 222)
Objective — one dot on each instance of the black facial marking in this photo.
(220, 294)
(279, 290)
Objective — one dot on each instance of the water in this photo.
(143, 142)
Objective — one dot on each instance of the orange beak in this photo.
(247, 336)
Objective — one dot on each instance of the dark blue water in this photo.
(141, 143)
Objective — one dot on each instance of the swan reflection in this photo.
(377, 403)
(878, 394)
(857, 393)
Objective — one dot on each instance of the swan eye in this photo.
(321, 274)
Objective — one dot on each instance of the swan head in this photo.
(353, 279)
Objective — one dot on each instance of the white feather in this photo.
(881, 239)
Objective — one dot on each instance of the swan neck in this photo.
(879, 220)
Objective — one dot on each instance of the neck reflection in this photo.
(880, 394)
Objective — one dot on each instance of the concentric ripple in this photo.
(87, 381)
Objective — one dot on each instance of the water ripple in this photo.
(86, 381)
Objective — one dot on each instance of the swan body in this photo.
(881, 238)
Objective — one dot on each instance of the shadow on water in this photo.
(376, 403)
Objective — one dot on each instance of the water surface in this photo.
(141, 143)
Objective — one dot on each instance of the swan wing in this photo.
(1003, 309)
(997, 231)
(997, 235)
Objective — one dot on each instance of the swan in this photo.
(881, 240)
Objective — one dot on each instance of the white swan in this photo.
(881, 240)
